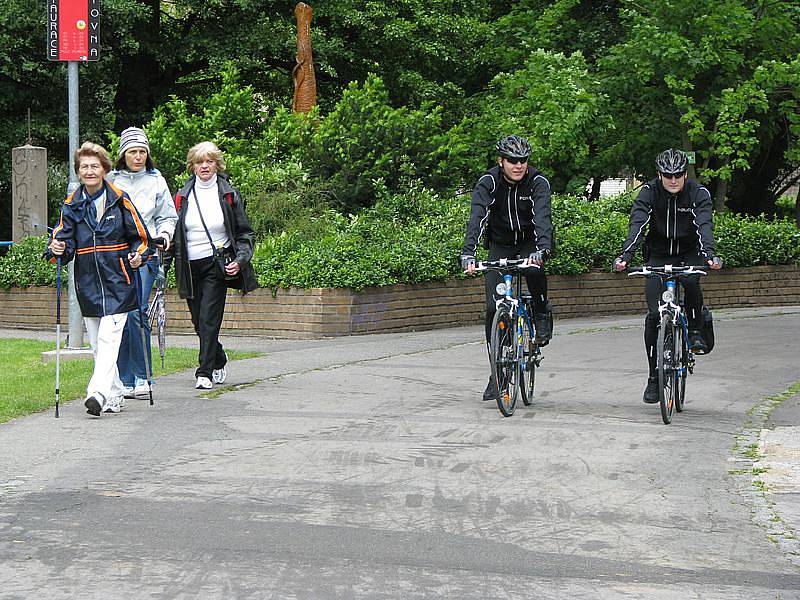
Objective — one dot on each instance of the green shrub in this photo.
(785, 207)
(744, 241)
(24, 265)
(417, 235)
(409, 237)
(364, 140)
(285, 199)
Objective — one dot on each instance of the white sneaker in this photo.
(114, 405)
(219, 375)
(203, 383)
(129, 392)
(142, 390)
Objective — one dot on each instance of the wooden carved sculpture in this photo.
(305, 85)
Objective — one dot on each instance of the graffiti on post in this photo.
(28, 192)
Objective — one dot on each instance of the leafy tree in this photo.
(700, 75)
(555, 102)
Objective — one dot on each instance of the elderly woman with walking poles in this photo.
(213, 247)
(101, 230)
(136, 175)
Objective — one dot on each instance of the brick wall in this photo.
(321, 312)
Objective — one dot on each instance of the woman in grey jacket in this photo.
(136, 174)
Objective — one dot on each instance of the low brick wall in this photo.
(323, 312)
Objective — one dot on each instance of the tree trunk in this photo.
(719, 196)
(797, 208)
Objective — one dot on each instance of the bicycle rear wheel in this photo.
(527, 373)
(682, 365)
(665, 361)
(505, 366)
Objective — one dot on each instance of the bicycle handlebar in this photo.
(505, 264)
(670, 270)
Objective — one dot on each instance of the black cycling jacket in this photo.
(508, 214)
(671, 224)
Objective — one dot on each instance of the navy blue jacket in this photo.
(103, 276)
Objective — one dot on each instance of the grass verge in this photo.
(28, 384)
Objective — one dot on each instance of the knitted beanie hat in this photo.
(133, 137)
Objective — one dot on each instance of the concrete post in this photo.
(28, 192)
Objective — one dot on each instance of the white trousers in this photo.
(105, 334)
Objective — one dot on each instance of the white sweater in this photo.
(207, 196)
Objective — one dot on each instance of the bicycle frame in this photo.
(519, 359)
(675, 362)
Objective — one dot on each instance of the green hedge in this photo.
(24, 265)
(416, 236)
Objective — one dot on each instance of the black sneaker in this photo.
(491, 393)
(92, 405)
(651, 391)
(544, 328)
(696, 342)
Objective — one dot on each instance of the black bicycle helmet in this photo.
(671, 162)
(513, 146)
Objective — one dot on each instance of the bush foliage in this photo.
(416, 236)
(23, 265)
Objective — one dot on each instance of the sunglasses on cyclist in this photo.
(516, 161)
(673, 175)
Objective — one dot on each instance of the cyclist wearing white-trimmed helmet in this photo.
(672, 216)
(511, 215)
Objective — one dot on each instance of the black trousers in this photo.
(535, 278)
(692, 300)
(207, 309)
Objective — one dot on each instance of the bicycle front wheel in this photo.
(505, 366)
(665, 361)
(527, 372)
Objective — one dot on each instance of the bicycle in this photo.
(674, 358)
(514, 352)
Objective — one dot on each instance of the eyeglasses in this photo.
(516, 161)
(673, 175)
(90, 167)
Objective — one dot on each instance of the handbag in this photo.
(223, 255)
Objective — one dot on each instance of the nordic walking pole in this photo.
(145, 341)
(58, 331)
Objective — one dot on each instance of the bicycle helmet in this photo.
(513, 146)
(671, 162)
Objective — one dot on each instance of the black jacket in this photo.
(237, 226)
(103, 276)
(508, 214)
(671, 224)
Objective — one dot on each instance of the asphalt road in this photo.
(368, 467)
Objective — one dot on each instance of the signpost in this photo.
(73, 35)
(73, 30)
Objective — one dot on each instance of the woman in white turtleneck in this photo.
(136, 174)
(211, 217)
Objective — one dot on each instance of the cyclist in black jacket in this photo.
(672, 215)
(511, 213)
